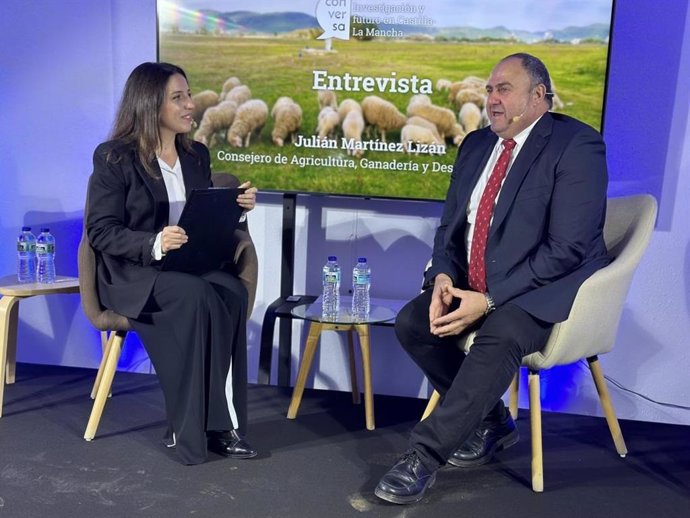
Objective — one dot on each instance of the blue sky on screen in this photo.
(530, 15)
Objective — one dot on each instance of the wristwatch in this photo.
(490, 304)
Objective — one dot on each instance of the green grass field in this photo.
(274, 67)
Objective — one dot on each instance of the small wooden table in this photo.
(12, 292)
(345, 321)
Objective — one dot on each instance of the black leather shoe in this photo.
(486, 440)
(230, 444)
(405, 482)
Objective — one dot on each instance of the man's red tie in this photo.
(482, 222)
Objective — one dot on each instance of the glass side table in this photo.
(12, 292)
(380, 311)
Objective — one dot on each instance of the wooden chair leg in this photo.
(514, 395)
(434, 400)
(305, 365)
(353, 368)
(9, 315)
(609, 412)
(11, 359)
(535, 425)
(105, 384)
(106, 350)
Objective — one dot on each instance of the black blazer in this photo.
(546, 235)
(125, 209)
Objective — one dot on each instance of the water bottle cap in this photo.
(361, 259)
(332, 258)
(45, 229)
(25, 229)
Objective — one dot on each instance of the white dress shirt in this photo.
(174, 185)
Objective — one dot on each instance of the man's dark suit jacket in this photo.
(546, 235)
(126, 207)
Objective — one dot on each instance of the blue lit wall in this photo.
(62, 69)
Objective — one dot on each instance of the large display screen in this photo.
(369, 97)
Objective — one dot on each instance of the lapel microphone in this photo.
(518, 117)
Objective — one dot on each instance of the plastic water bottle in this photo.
(45, 253)
(361, 282)
(26, 256)
(330, 296)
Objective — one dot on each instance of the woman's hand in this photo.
(247, 200)
(172, 238)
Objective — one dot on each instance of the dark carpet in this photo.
(323, 464)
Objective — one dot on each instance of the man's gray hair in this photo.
(537, 72)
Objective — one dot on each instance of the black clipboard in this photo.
(210, 217)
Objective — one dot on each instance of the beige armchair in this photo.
(592, 325)
(114, 327)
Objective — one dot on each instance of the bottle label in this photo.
(45, 248)
(362, 278)
(332, 277)
(24, 246)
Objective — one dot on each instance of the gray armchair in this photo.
(592, 325)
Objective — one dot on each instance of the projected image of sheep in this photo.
(381, 109)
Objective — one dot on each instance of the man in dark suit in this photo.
(520, 231)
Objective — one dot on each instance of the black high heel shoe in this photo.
(230, 444)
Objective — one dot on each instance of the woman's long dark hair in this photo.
(137, 119)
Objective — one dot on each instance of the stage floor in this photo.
(322, 464)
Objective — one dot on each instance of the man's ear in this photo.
(539, 93)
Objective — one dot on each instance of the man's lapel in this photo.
(534, 145)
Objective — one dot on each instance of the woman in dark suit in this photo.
(193, 327)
